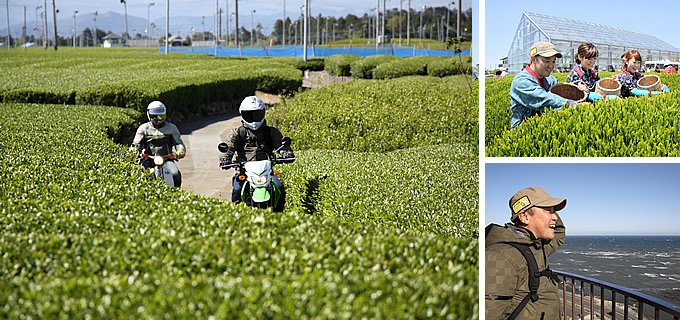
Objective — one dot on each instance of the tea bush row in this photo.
(379, 116)
(85, 234)
(433, 66)
(640, 127)
(431, 189)
(189, 86)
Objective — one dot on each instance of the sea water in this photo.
(647, 264)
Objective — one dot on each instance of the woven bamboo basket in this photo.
(608, 87)
(650, 82)
(569, 91)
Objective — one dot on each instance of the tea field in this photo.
(631, 127)
(380, 224)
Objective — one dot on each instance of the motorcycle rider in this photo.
(161, 136)
(254, 140)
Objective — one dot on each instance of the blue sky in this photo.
(602, 199)
(658, 18)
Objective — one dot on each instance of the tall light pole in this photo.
(8, 33)
(74, 28)
(448, 14)
(401, 2)
(252, 29)
(45, 26)
(203, 24)
(167, 24)
(306, 29)
(95, 29)
(236, 30)
(408, 24)
(54, 14)
(383, 20)
(421, 24)
(217, 24)
(377, 22)
(460, 4)
(124, 2)
(283, 24)
(148, 10)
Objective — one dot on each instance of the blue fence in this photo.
(297, 51)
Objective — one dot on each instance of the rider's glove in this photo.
(594, 96)
(180, 153)
(287, 154)
(226, 157)
(639, 92)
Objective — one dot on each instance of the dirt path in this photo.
(200, 169)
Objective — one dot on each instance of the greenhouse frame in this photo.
(568, 34)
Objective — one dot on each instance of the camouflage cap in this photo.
(534, 197)
(544, 49)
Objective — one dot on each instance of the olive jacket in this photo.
(507, 273)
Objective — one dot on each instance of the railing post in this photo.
(601, 302)
(581, 294)
(592, 301)
(613, 304)
(625, 307)
(641, 312)
(564, 296)
(573, 305)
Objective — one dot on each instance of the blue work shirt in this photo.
(528, 98)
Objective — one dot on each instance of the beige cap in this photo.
(534, 197)
(544, 49)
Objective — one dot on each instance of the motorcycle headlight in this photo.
(259, 180)
(158, 160)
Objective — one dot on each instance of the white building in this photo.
(567, 35)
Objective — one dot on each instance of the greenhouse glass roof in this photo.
(557, 28)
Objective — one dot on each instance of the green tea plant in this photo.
(379, 116)
(187, 84)
(641, 127)
(363, 69)
(85, 234)
(340, 64)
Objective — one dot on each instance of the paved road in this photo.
(200, 169)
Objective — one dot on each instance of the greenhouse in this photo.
(568, 34)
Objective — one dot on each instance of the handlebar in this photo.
(240, 164)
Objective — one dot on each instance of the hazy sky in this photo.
(658, 18)
(207, 7)
(602, 199)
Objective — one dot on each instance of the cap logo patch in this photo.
(521, 204)
(533, 51)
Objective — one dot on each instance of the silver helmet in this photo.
(252, 111)
(156, 113)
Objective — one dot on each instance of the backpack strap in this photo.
(579, 72)
(534, 278)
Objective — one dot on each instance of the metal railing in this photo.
(588, 298)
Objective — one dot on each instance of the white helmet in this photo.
(252, 111)
(156, 113)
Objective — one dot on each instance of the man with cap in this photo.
(513, 250)
(530, 90)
